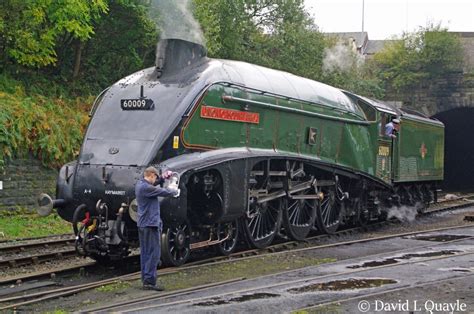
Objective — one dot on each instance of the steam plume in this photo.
(177, 21)
(403, 213)
(340, 57)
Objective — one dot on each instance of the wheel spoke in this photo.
(175, 252)
(263, 219)
(329, 209)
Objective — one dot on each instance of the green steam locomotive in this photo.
(256, 153)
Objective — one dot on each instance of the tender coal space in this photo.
(459, 149)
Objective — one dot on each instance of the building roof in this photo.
(374, 46)
(463, 34)
(360, 38)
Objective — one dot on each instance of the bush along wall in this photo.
(51, 130)
(38, 134)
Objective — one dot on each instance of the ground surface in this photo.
(446, 278)
(421, 275)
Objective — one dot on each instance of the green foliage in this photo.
(124, 42)
(85, 50)
(19, 224)
(50, 129)
(419, 57)
(277, 34)
(226, 26)
(29, 30)
(295, 40)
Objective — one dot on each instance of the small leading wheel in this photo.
(262, 222)
(81, 217)
(175, 244)
(230, 232)
(298, 217)
(81, 222)
(329, 210)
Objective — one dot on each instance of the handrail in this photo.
(293, 110)
(96, 101)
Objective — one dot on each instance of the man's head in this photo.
(396, 124)
(151, 174)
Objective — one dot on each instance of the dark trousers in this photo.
(150, 252)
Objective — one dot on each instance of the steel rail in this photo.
(35, 258)
(35, 238)
(21, 247)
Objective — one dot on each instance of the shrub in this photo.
(51, 129)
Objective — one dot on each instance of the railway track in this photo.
(135, 303)
(36, 252)
(280, 248)
(66, 291)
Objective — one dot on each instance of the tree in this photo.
(29, 30)
(274, 33)
(227, 26)
(124, 42)
(419, 57)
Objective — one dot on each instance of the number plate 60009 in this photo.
(137, 104)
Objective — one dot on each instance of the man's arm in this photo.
(155, 191)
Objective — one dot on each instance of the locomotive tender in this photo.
(255, 152)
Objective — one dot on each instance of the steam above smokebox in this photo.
(181, 38)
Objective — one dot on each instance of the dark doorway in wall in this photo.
(459, 149)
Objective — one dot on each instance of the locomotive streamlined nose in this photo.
(46, 204)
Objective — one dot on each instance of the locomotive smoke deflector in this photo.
(174, 54)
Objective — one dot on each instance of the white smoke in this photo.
(402, 213)
(340, 57)
(176, 21)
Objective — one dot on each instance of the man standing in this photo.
(149, 223)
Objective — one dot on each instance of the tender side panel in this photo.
(419, 155)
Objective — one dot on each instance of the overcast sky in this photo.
(385, 18)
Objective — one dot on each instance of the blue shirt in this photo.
(148, 204)
(389, 127)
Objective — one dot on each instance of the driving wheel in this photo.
(175, 244)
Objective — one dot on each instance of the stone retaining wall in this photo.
(22, 181)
